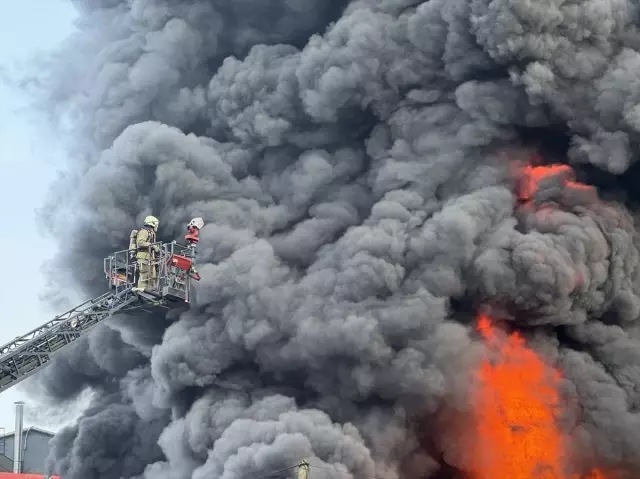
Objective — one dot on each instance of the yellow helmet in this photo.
(152, 221)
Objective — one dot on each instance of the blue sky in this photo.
(26, 162)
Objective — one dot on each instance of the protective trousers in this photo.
(148, 274)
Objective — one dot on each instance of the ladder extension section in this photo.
(27, 354)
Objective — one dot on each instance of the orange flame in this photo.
(516, 433)
(532, 176)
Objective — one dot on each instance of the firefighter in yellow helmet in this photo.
(147, 254)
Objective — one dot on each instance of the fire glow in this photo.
(516, 434)
(533, 176)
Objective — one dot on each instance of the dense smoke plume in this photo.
(354, 164)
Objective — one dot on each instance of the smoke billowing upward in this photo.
(353, 163)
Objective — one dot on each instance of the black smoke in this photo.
(353, 164)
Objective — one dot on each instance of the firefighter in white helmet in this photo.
(193, 231)
(146, 253)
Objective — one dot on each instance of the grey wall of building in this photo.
(35, 452)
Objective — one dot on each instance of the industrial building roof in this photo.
(31, 428)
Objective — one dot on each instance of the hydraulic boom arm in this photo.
(27, 354)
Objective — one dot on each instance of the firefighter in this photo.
(193, 230)
(147, 253)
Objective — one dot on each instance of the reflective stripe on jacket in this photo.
(145, 238)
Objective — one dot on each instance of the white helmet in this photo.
(197, 223)
(152, 221)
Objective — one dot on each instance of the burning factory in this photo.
(418, 254)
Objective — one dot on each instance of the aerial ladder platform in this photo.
(169, 289)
